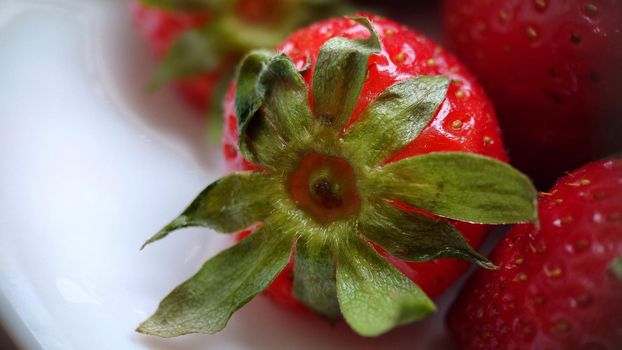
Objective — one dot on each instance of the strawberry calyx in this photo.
(324, 189)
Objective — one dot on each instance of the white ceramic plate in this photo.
(91, 166)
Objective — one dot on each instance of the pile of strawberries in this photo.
(552, 70)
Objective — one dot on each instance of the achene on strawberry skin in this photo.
(552, 69)
(342, 153)
(559, 285)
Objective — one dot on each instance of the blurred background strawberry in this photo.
(553, 71)
(199, 43)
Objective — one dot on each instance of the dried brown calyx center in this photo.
(326, 193)
(325, 188)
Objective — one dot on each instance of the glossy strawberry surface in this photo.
(556, 287)
(464, 122)
(552, 69)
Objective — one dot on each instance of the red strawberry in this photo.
(559, 285)
(160, 29)
(465, 122)
(357, 136)
(552, 69)
(224, 32)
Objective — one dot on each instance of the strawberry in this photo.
(465, 123)
(161, 28)
(559, 284)
(362, 154)
(552, 71)
(199, 42)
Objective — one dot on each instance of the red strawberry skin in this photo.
(554, 288)
(552, 69)
(160, 28)
(464, 122)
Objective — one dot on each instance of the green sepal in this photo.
(616, 267)
(311, 10)
(209, 47)
(215, 121)
(415, 237)
(339, 73)
(314, 278)
(243, 35)
(285, 98)
(264, 144)
(272, 106)
(373, 295)
(460, 186)
(285, 109)
(228, 205)
(395, 118)
(248, 99)
(189, 5)
(205, 302)
(194, 52)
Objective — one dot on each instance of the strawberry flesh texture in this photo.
(552, 70)
(554, 289)
(464, 122)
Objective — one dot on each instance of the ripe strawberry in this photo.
(464, 123)
(559, 284)
(552, 69)
(161, 28)
(199, 43)
(355, 131)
